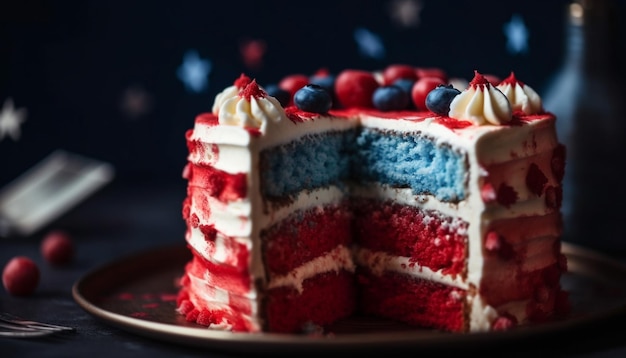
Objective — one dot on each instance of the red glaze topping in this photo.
(252, 89)
(479, 80)
(242, 81)
(511, 80)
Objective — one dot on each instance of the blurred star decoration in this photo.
(370, 44)
(11, 119)
(135, 102)
(252, 52)
(194, 72)
(405, 13)
(517, 35)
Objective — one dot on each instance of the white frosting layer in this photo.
(381, 262)
(336, 260)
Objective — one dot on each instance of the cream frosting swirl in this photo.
(521, 96)
(481, 103)
(251, 108)
(230, 92)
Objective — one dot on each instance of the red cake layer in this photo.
(401, 230)
(306, 235)
(325, 299)
(412, 300)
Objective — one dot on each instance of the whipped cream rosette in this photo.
(230, 92)
(251, 108)
(521, 96)
(481, 103)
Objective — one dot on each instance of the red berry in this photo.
(354, 88)
(394, 72)
(293, 83)
(20, 276)
(421, 88)
(422, 72)
(57, 248)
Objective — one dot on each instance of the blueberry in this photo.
(390, 98)
(313, 98)
(280, 94)
(404, 83)
(438, 100)
(327, 82)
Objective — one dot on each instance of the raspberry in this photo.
(421, 88)
(20, 276)
(397, 71)
(57, 248)
(355, 88)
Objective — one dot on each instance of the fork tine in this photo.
(25, 334)
(17, 327)
(12, 319)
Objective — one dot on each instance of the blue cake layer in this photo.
(396, 159)
(407, 160)
(312, 162)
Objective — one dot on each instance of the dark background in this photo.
(70, 62)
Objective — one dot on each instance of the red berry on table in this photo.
(20, 276)
(395, 72)
(57, 248)
(354, 88)
(421, 88)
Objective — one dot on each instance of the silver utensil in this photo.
(13, 326)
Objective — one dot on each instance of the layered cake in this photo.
(388, 194)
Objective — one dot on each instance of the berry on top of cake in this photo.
(389, 194)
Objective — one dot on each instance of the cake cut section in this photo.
(299, 219)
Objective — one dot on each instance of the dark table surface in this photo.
(124, 219)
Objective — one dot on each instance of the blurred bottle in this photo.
(587, 96)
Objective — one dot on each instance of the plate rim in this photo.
(281, 342)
